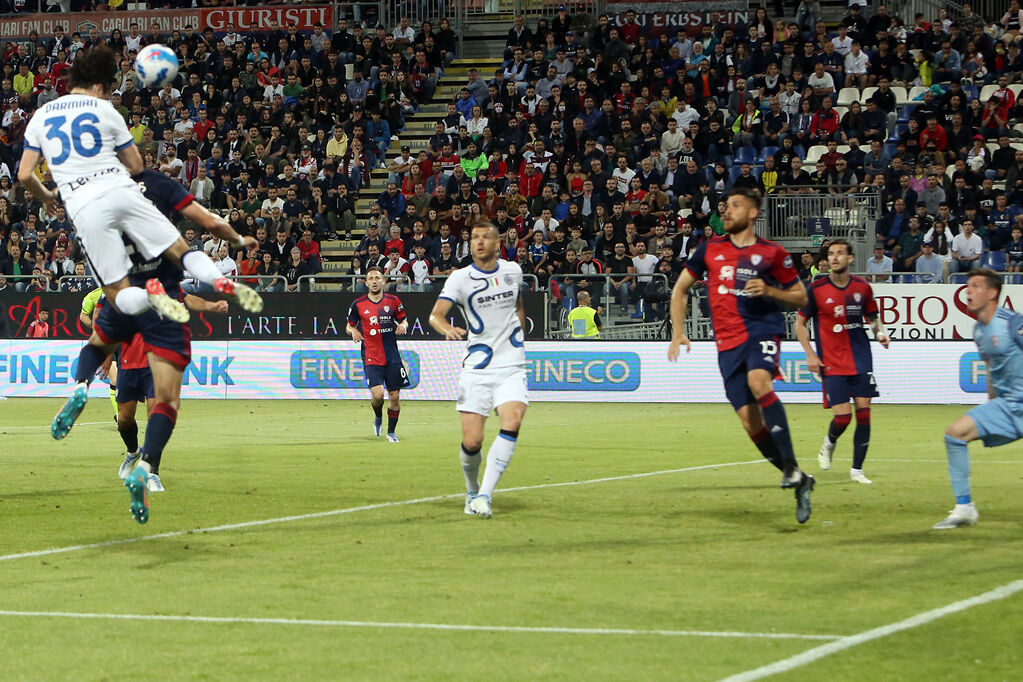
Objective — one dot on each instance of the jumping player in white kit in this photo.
(92, 156)
(493, 373)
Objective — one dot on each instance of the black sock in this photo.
(778, 426)
(158, 432)
(378, 410)
(89, 360)
(392, 420)
(762, 439)
(838, 426)
(513, 435)
(861, 437)
(130, 435)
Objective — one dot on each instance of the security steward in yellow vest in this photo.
(584, 321)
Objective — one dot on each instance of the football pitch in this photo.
(629, 542)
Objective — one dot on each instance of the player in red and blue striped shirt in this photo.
(748, 280)
(841, 305)
(374, 320)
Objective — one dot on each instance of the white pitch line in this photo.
(977, 460)
(416, 626)
(844, 643)
(350, 510)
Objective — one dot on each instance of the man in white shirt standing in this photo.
(493, 376)
(966, 249)
(645, 265)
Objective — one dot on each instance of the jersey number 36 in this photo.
(80, 126)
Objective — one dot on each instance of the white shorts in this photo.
(481, 391)
(101, 222)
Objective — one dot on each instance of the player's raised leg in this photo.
(957, 435)
(128, 429)
(90, 358)
(840, 420)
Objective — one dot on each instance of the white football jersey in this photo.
(489, 301)
(79, 136)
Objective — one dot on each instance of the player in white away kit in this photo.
(494, 365)
(92, 157)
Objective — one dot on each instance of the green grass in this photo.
(710, 550)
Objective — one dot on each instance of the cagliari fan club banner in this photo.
(217, 18)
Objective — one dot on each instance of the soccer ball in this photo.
(156, 65)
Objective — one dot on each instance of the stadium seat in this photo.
(847, 96)
(765, 152)
(733, 173)
(915, 52)
(836, 215)
(991, 146)
(950, 170)
(685, 212)
(349, 71)
(841, 111)
(744, 155)
(897, 130)
(905, 113)
(986, 91)
(901, 98)
(890, 148)
(843, 149)
(1016, 89)
(1018, 128)
(996, 260)
(916, 92)
(868, 93)
(814, 154)
(971, 92)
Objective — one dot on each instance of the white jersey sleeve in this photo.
(489, 302)
(79, 136)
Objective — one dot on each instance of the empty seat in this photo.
(996, 260)
(986, 91)
(905, 113)
(971, 91)
(901, 98)
(916, 93)
(867, 93)
(841, 111)
(744, 155)
(847, 96)
(765, 152)
(814, 154)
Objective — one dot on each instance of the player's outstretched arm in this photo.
(27, 177)
(215, 225)
(440, 324)
(879, 333)
(201, 305)
(813, 363)
(679, 297)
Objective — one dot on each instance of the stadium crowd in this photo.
(595, 148)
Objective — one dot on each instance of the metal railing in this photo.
(26, 280)
(403, 282)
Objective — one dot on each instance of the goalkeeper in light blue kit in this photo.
(999, 338)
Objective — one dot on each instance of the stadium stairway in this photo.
(337, 254)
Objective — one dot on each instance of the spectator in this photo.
(583, 320)
(966, 249)
(880, 267)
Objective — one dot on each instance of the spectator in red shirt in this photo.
(824, 123)
(203, 125)
(40, 328)
(250, 264)
(394, 241)
(310, 251)
(630, 29)
(530, 182)
(935, 132)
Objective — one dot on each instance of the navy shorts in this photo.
(170, 340)
(736, 362)
(135, 385)
(839, 389)
(393, 377)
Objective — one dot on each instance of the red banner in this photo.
(19, 28)
(261, 18)
(218, 18)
